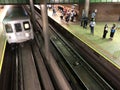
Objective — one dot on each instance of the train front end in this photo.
(17, 26)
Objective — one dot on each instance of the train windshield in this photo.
(16, 12)
(26, 25)
(18, 27)
(8, 28)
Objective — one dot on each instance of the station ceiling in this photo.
(53, 1)
(40, 1)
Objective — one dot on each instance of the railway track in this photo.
(58, 79)
(7, 80)
(83, 72)
(97, 60)
(24, 69)
(30, 80)
(32, 70)
(76, 68)
(56, 75)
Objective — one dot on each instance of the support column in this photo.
(32, 11)
(87, 4)
(45, 28)
(60, 79)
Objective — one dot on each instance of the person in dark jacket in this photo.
(113, 29)
(85, 22)
(105, 31)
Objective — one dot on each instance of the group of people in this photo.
(112, 32)
(65, 13)
(71, 14)
(68, 15)
(84, 23)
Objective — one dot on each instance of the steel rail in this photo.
(77, 64)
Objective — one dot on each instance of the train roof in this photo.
(15, 13)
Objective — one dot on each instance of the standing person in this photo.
(83, 16)
(67, 18)
(61, 16)
(85, 22)
(105, 31)
(113, 29)
(72, 16)
(92, 25)
(93, 15)
(54, 11)
(75, 15)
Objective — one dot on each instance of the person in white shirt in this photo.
(92, 25)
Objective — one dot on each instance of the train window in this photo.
(18, 27)
(8, 28)
(26, 25)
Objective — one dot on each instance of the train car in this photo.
(17, 25)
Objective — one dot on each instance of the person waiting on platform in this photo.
(72, 16)
(82, 18)
(105, 31)
(54, 11)
(113, 29)
(67, 18)
(85, 22)
(92, 25)
(93, 15)
(62, 15)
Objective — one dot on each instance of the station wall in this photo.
(105, 11)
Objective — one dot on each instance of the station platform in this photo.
(109, 49)
(2, 38)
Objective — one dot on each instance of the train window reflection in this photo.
(18, 27)
(8, 28)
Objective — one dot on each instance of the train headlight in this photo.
(26, 25)
(27, 34)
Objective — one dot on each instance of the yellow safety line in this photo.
(2, 57)
(97, 51)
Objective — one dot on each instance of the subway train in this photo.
(17, 25)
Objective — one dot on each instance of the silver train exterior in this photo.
(17, 25)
